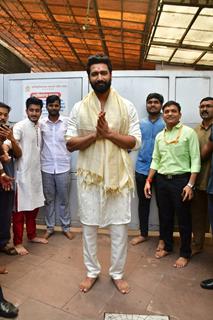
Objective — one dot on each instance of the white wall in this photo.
(186, 87)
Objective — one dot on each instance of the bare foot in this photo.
(181, 262)
(160, 246)
(137, 240)
(21, 250)
(39, 240)
(87, 284)
(47, 234)
(70, 235)
(3, 270)
(160, 254)
(121, 285)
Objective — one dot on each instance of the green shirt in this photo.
(176, 158)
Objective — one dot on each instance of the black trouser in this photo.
(210, 209)
(143, 204)
(170, 202)
(1, 295)
(6, 207)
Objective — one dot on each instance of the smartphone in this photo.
(4, 126)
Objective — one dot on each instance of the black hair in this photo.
(34, 100)
(155, 95)
(206, 99)
(171, 103)
(99, 58)
(4, 105)
(53, 98)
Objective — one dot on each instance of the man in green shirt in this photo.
(176, 160)
(199, 206)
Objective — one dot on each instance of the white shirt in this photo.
(55, 158)
(28, 168)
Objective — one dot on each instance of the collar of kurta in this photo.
(33, 124)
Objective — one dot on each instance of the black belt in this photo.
(174, 176)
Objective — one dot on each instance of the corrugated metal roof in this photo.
(59, 35)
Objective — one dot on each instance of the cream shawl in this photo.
(103, 163)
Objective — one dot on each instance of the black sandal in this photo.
(11, 251)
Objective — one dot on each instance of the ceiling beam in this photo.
(207, 67)
(76, 25)
(100, 31)
(151, 34)
(80, 30)
(145, 36)
(186, 31)
(201, 56)
(23, 30)
(122, 34)
(57, 26)
(182, 46)
(41, 33)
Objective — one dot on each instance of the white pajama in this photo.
(118, 250)
(96, 211)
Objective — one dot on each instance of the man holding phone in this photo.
(10, 149)
(176, 160)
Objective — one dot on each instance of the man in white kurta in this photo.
(104, 126)
(28, 176)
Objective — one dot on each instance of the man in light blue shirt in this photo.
(150, 127)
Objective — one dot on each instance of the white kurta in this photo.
(94, 207)
(28, 168)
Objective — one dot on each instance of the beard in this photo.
(101, 86)
(53, 112)
(153, 112)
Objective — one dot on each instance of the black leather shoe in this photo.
(8, 310)
(207, 284)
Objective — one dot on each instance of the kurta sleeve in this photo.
(134, 125)
(72, 122)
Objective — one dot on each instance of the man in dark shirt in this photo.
(7, 309)
(10, 149)
(206, 151)
(199, 205)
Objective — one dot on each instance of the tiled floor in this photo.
(45, 283)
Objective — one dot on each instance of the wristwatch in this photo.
(190, 185)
